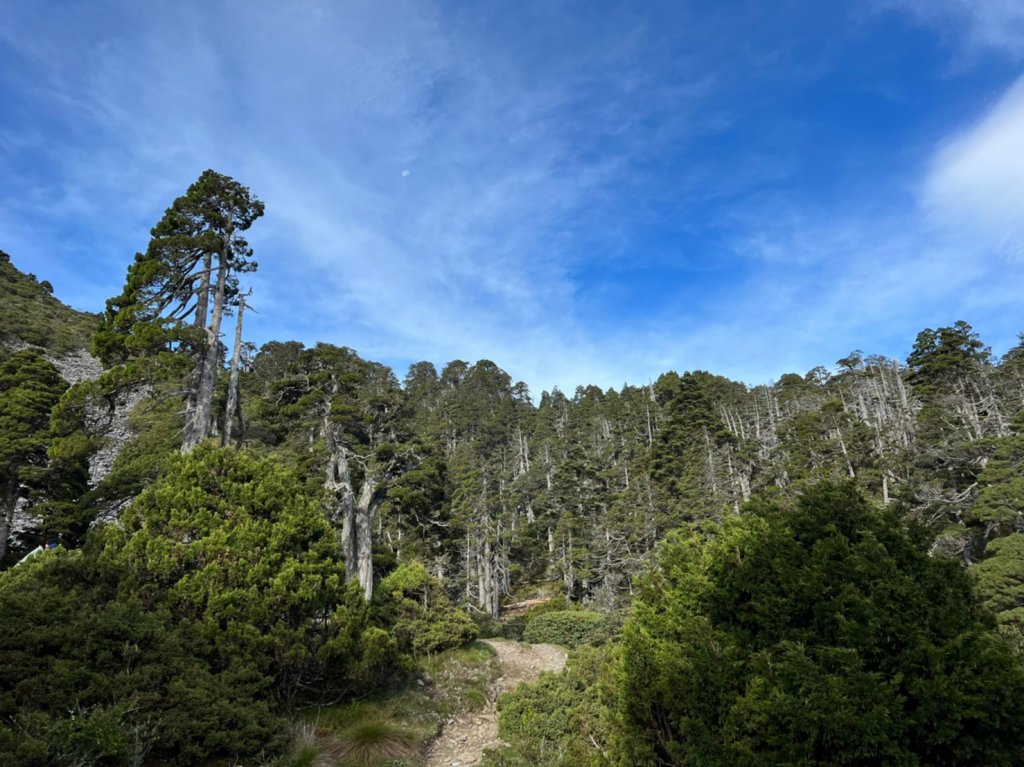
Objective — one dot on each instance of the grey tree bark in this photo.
(368, 502)
(199, 322)
(199, 427)
(234, 407)
(338, 484)
(354, 513)
(10, 502)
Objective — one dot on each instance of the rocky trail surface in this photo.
(465, 736)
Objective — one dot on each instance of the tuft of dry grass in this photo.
(372, 742)
(395, 728)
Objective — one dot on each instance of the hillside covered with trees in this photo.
(201, 539)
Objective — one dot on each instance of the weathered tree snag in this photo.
(338, 484)
(199, 428)
(10, 502)
(370, 498)
(234, 407)
(355, 513)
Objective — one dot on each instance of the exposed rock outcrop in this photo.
(77, 366)
(110, 423)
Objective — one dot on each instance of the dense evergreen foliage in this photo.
(570, 628)
(177, 293)
(818, 633)
(29, 389)
(187, 631)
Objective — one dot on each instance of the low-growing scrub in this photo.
(570, 628)
(189, 631)
(558, 721)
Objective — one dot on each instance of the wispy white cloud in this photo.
(320, 108)
(438, 181)
(983, 25)
(824, 279)
(976, 182)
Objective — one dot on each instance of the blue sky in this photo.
(582, 192)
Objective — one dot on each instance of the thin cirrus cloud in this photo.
(582, 194)
(953, 248)
(418, 185)
(976, 181)
(980, 25)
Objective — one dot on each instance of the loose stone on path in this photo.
(462, 741)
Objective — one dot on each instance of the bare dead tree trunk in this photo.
(365, 511)
(846, 454)
(10, 502)
(481, 578)
(744, 477)
(196, 376)
(338, 484)
(234, 407)
(487, 598)
(568, 571)
(469, 567)
(199, 428)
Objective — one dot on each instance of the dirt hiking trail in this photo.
(465, 736)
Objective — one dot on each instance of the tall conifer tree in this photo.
(177, 292)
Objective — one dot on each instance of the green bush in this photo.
(187, 632)
(558, 721)
(570, 628)
(817, 634)
(414, 604)
(488, 627)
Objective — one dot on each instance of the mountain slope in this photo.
(33, 317)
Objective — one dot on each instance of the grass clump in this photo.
(373, 742)
(306, 748)
(394, 729)
(461, 678)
